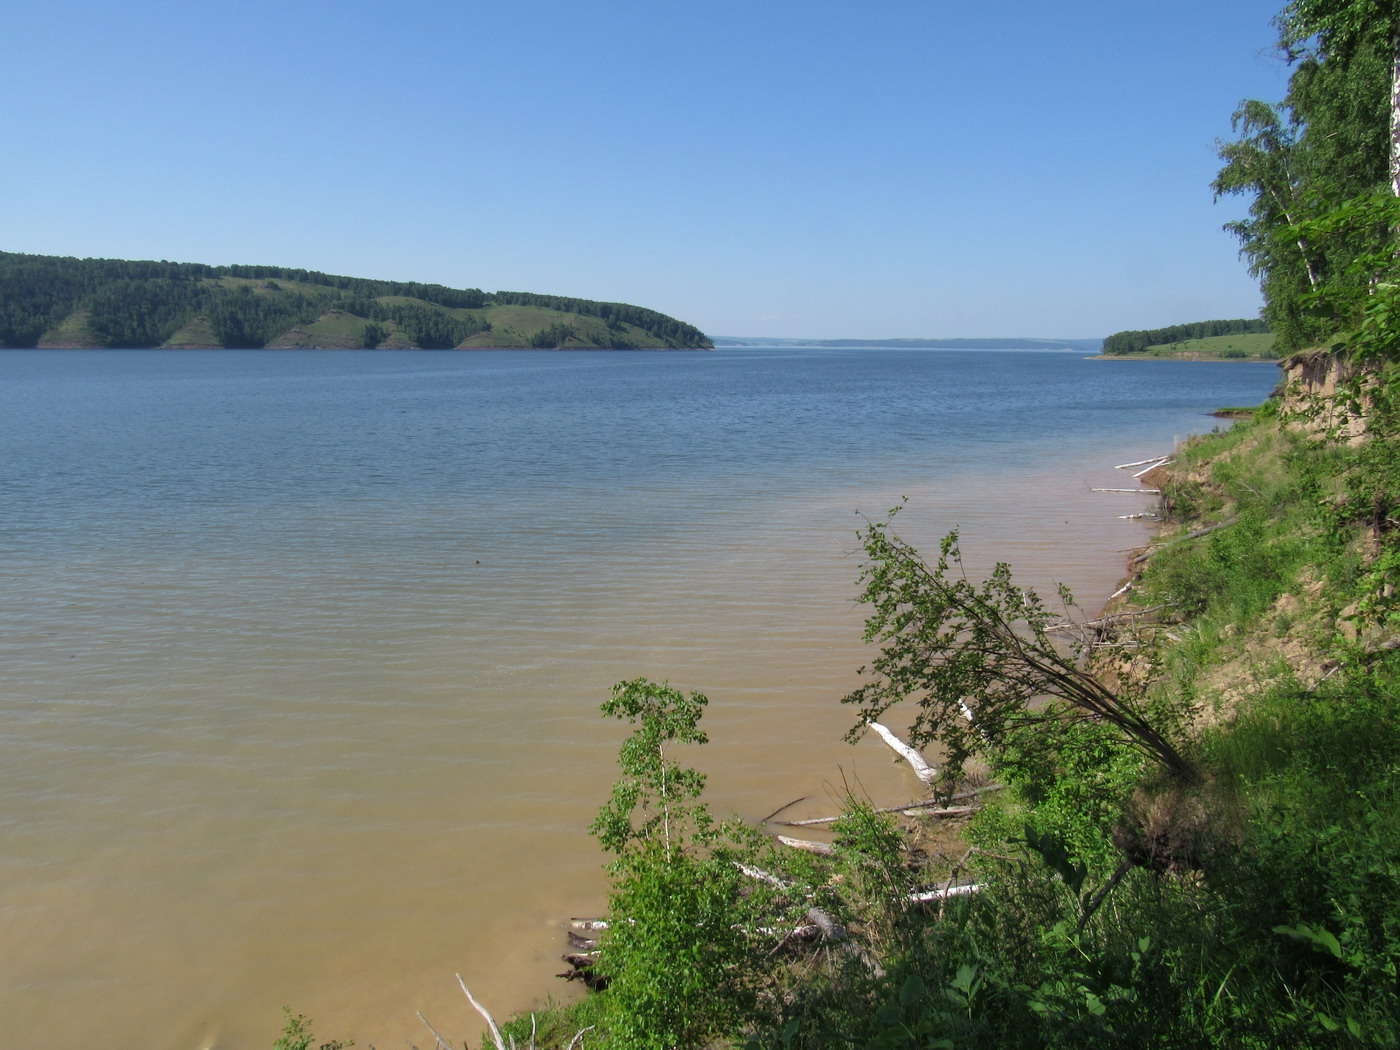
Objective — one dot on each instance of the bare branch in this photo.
(490, 1021)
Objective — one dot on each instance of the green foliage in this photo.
(1136, 342)
(655, 799)
(144, 304)
(1304, 163)
(974, 658)
(679, 965)
(297, 1035)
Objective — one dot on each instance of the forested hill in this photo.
(55, 302)
(1120, 343)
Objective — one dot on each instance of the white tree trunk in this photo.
(922, 769)
(1395, 112)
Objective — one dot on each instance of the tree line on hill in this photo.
(134, 304)
(1135, 342)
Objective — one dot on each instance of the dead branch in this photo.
(825, 849)
(834, 932)
(922, 769)
(1112, 620)
(939, 807)
(763, 876)
(490, 1021)
(1152, 467)
(926, 896)
(775, 812)
(442, 1044)
(1180, 539)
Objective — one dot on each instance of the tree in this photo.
(1344, 30)
(976, 659)
(679, 965)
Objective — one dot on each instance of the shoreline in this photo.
(1202, 359)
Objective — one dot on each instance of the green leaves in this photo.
(680, 966)
(975, 658)
(652, 800)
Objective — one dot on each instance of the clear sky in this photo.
(820, 168)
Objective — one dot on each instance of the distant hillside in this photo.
(1203, 338)
(1000, 343)
(53, 302)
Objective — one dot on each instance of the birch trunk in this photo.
(1395, 112)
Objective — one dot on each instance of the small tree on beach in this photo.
(679, 967)
(977, 658)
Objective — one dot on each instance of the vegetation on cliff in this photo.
(50, 301)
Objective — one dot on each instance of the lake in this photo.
(303, 651)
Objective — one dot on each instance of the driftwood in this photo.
(919, 897)
(922, 769)
(1150, 469)
(775, 812)
(443, 1044)
(490, 1021)
(937, 805)
(834, 932)
(1142, 462)
(807, 845)
(589, 925)
(1112, 620)
(943, 894)
(763, 876)
(1140, 491)
(1181, 539)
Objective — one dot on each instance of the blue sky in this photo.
(828, 169)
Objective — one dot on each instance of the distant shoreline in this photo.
(1203, 359)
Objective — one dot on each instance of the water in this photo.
(302, 652)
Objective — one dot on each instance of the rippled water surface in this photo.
(302, 652)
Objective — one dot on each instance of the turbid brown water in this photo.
(303, 660)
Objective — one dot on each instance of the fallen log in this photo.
(942, 894)
(1113, 619)
(763, 876)
(1181, 539)
(922, 769)
(1150, 469)
(940, 807)
(1141, 491)
(834, 932)
(589, 924)
(1141, 462)
(825, 849)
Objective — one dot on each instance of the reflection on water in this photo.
(303, 653)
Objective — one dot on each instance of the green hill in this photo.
(55, 302)
(1200, 340)
(1255, 346)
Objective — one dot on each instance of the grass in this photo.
(72, 331)
(335, 330)
(1243, 347)
(198, 331)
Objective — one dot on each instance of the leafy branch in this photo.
(976, 658)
